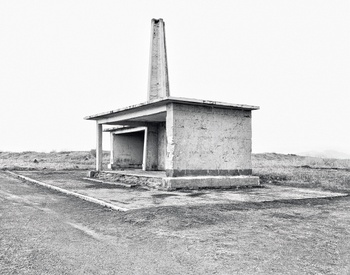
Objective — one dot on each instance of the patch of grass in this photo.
(291, 160)
(299, 171)
(64, 160)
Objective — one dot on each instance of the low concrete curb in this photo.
(112, 183)
(67, 192)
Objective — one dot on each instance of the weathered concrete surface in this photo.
(79, 195)
(128, 149)
(148, 151)
(172, 183)
(199, 137)
(162, 141)
(150, 161)
(146, 110)
(130, 177)
(98, 147)
(208, 141)
(137, 198)
(158, 86)
(138, 172)
(159, 180)
(196, 140)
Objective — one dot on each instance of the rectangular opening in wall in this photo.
(128, 149)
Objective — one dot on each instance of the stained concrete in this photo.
(173, 183)
(162, 141)
(158, 81)
(151, 148)
(190, 139)
(138, 198)
(160, 180)
(128, 149)
(205, 140)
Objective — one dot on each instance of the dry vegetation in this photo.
(292, 170)
(64, 160)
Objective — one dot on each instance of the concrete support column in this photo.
(170, 143)
(150, 153)
(112, 152)
(111, 161)
(98, 147)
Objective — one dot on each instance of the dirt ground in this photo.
(44, 232)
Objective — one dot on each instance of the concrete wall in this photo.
(128, 149)
(207, 141)
(155, 149)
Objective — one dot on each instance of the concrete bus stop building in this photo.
(198, 143)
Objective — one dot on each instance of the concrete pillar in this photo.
(158, 82)
(112, 151)
(111, 161)
(98, 147)
(162, 143)
(170, 144)
(144, 156)
(150, 153)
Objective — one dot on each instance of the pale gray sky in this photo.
(63, 60)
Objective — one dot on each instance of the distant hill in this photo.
(332, 154)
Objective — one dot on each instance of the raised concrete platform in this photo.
(123, 199)
(158, 179)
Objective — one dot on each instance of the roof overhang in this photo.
(155, 111)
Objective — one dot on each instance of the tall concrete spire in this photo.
(158, 82)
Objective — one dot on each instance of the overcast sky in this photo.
(63, 60)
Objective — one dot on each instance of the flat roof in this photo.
(164, 101)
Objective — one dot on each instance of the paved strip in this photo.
(84, 197)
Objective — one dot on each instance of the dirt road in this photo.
(44, 232)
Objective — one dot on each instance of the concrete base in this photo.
(172, 183)
(159, 180)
